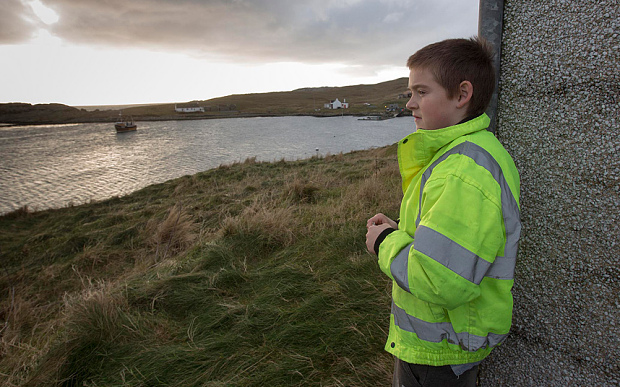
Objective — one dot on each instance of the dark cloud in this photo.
(16, 22)
(365, 32)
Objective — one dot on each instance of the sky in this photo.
(113, 52)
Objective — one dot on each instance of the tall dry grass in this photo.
(272, 227)
(173, 235)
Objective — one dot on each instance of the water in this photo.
(50, 166)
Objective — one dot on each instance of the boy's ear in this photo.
(466, 90)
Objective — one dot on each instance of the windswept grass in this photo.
(250, 274)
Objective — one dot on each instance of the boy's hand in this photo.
(375, 226)
(372, 234)
(380, 219)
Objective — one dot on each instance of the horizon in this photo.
(119, 54)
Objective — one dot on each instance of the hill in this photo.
(305, 101)
(363, 100)
(251, 274)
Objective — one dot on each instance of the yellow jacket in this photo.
(453, 256)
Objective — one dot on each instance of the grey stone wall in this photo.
(558, 116)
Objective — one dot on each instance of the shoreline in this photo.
(197, 118)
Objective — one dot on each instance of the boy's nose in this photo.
(411, 105)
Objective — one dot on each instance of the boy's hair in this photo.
(453, 61)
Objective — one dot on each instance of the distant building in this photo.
(336, 104)
(191, 107)
(406, 94)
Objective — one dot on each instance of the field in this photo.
(250, 274)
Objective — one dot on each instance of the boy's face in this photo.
(429, 103)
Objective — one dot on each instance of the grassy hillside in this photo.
(363, 99)
(307, 100)
(53, 113)
(251, 274)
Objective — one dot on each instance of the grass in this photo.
(249, 274)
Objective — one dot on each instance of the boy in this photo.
(451, 257)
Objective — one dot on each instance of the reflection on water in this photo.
(51, 166)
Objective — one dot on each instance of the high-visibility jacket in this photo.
(453, 256)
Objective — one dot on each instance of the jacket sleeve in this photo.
(458, 237)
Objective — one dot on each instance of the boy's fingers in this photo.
(370, 243)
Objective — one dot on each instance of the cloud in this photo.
(356, 32)
(16, 22)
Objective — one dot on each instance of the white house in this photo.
(336, 104)
(188, 108)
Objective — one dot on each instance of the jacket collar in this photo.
(417, 149)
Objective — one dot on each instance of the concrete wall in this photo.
(558, 116)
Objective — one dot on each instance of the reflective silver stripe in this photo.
(439, 331)
(450, 254)
(399, 268)
(502, 267)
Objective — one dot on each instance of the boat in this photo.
(373, 118)
(125, 125)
